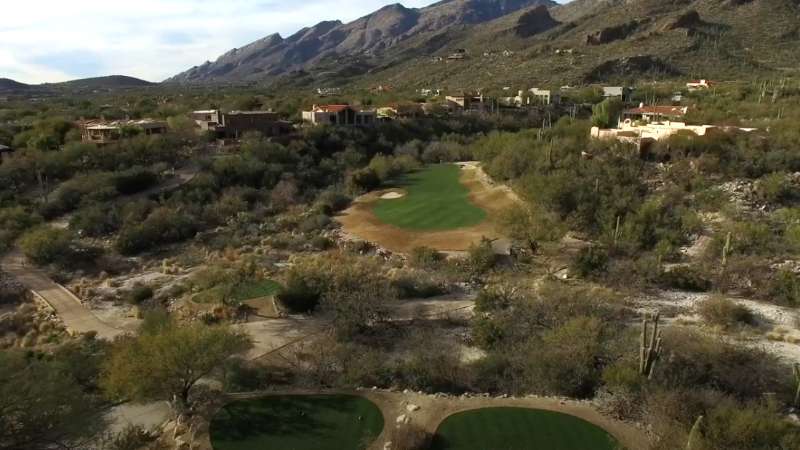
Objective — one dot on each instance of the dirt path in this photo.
(77, 317)
(360, 222)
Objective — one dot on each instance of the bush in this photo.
(134, 180)
(425, 257)
(724, 312)
(139, 294)
(417, 285)
(481, 257)
(590, 261)
(784, 288)
(298, 295)
(363, 180)
(95, 220)
(162, 226)
(686, 278)
(46, 245)
(11, 291)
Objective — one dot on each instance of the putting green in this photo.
(244, 291)
(509, 428)
(297, 422)
(434, 200)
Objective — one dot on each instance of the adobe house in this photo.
(101, 132)
(545, 96)
(470, 103)
(237, 123)
(400, 111)
(234, 124)
(655, 113)
(338, 115)
(620, 92)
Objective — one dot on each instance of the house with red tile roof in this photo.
(655, 113)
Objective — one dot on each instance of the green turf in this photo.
(434, 200)
(297, 422)
(519, 429)
(245, 291)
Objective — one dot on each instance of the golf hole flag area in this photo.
(442, 206)
(513, 428)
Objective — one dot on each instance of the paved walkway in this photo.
(76, 317)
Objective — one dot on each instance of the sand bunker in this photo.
(392, 195)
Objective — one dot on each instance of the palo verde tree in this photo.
(166, 360)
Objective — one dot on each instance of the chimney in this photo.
(641, 105)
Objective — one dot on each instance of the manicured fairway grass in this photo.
(297, 422)
(510, 428)
(434, 200)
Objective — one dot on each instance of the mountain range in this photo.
(84, 84)
(505, 42)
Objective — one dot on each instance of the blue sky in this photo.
(57, 40)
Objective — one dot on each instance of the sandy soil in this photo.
(393, 194)
(358, 221)
(776, 330)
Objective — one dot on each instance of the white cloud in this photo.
(54, 40)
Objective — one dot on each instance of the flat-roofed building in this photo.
(338, 115)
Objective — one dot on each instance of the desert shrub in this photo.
(425, 257)
(494, 298)
(590, 261)
(331, 201)
(486, 333)
(138, 294)
(565, 360)
(481, 257)
(417, 285)
(314, 222)
(14, 221)
(95, 220)
(134, 180)
(363, 180)
(299, 295)
(784, 288)
(132, 437)
(692, 360)
(45, 245)
(163, 226)
(685, 278)
(11, 291)
(755, 426)
(775, 188)
(724, 312)
(322, 243)
(410, 437)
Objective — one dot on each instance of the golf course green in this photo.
(297, 422)
(509, 428)
(434, 200)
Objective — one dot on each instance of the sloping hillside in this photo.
(351, 45)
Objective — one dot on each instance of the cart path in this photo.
(76, 317)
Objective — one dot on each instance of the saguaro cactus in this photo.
(694, 434)
(650, 346)
(797, 380)
(726, 250)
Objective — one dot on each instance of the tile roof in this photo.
(659, 110)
